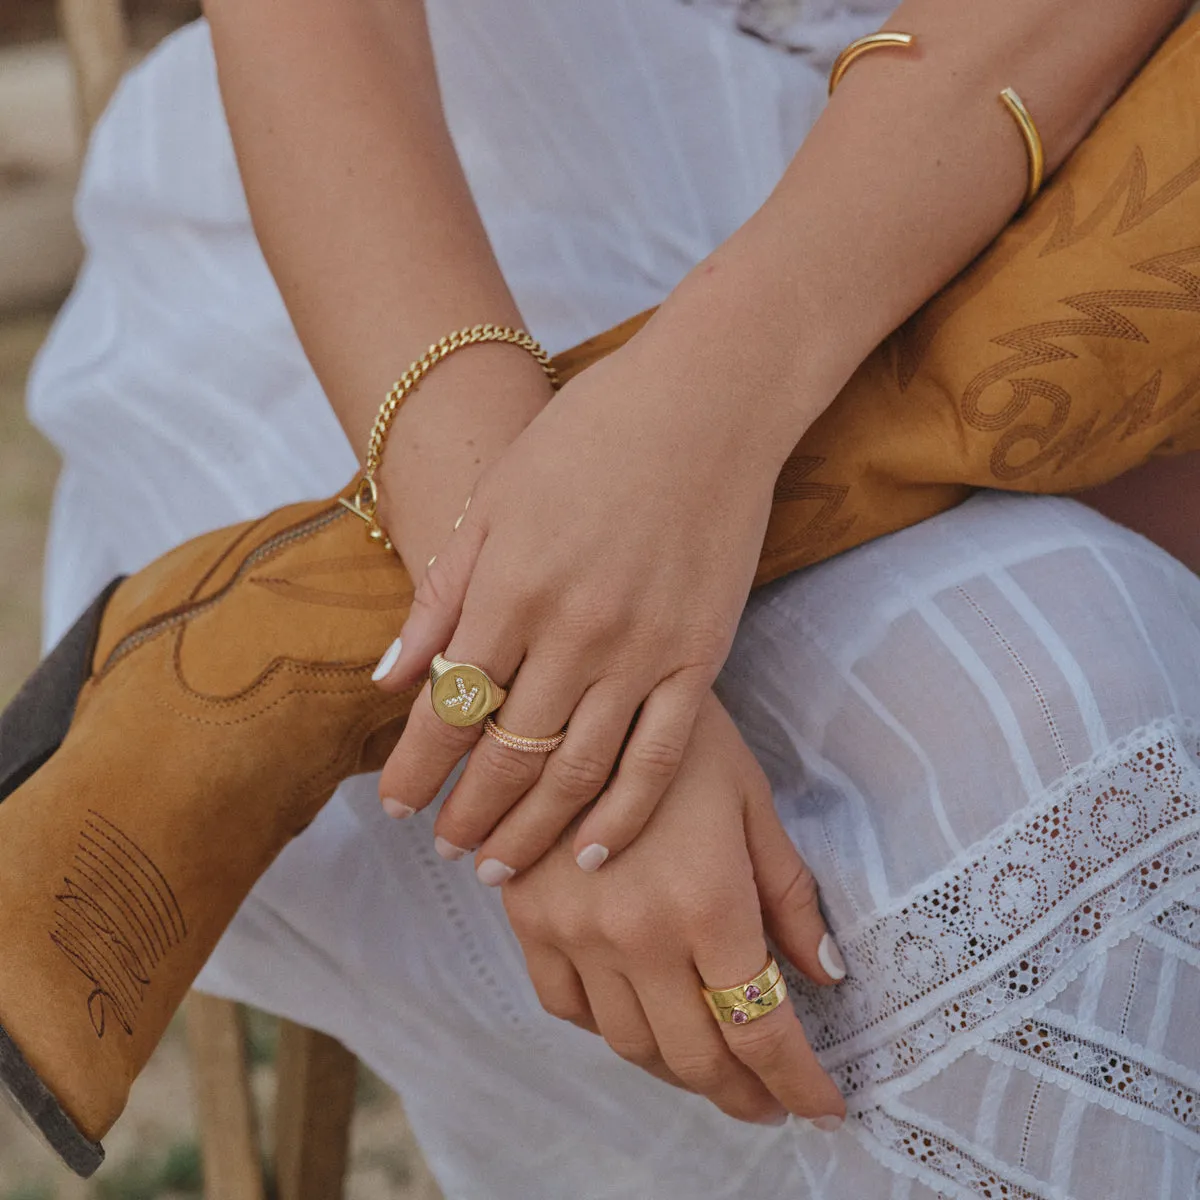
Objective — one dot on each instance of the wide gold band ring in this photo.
(750, 1000)
(462, 693)
(518, 741)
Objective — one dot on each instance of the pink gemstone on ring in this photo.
(753, 991)
(739, 1017)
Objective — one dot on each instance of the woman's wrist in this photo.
(463, 416)
(761, 349)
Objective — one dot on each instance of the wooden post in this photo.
(314, 1103)
(97, 36)
(216, 1032)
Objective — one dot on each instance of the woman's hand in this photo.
(599, 573)
(625, 951)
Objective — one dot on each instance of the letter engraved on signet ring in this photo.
(462, 696)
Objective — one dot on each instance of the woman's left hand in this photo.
(625, 953)
(599, 572)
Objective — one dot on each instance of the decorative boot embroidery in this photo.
(115, 920)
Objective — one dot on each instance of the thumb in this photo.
(787, 891)
(434, 615)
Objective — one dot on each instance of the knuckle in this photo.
(525, 914)
(447, 739)
(803, 893)
(759, 1041)
(702, 1071)
(709, 910)
(630, 931)
(706, 640)
(579, 772)
(641, 1052)
(566, 1008)
(508, 770)
(436, 590)
(657, 757)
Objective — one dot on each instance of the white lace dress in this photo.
(982, 732)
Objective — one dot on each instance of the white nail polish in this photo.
(828, 1124)
(448, 850)
(593, 857)
(387, 662)
(493, 872)
(830, 958)
(395, 809)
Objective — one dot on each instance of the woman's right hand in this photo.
(624, 952)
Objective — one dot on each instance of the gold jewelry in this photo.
(1033, 143)
(363, 502)
(518, 741)
(750, 1000)
(462, 693)
(1010, 99)
(864, 45)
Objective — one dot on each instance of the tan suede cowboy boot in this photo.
(202, 712)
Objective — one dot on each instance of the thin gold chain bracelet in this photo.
(364, 500)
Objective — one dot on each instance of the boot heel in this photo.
(32, 728)
(33, 1101)
(34, 724)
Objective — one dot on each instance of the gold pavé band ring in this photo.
(462, 693)
(750, 1000)
(518, 741)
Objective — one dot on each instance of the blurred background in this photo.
(153, 1154)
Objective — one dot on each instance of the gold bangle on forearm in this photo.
(1033, 143)
(864, 45)
(1011, 101)
(364, 500)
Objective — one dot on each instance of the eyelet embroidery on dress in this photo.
(1108, 1073)
(1182, 922)
(923, 1152)
(997, 935)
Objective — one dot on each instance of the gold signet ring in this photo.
(462, 693)
(750, 1000)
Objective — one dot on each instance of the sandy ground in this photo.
(153, 1151)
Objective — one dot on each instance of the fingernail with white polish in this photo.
(830, 958)
(828, 1124)
(593, 857)
(493, 872)
(387, 662)
(448, 850)
(395, 809)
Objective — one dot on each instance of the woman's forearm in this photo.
(367, 223)
(913, 168)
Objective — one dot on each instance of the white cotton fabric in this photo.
(982, 732)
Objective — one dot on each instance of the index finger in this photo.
(422, 761)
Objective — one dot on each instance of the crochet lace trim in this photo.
(1113, 846)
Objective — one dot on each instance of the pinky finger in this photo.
(648, 765)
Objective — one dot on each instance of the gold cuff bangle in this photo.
(1033, 143)
(864, 45)
(1011, 101)
(363, 501)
